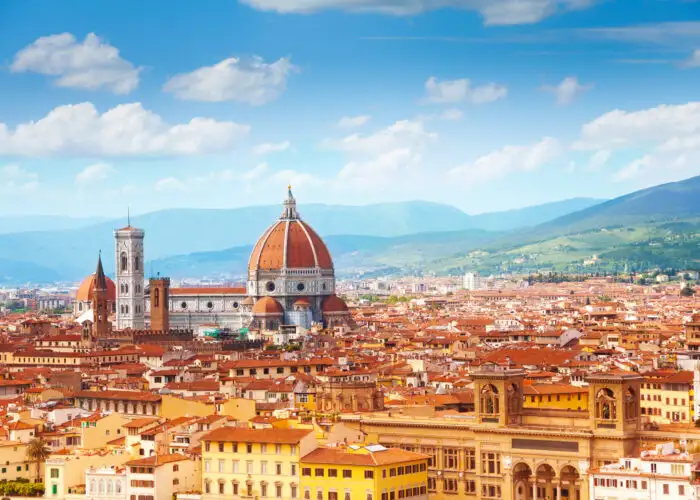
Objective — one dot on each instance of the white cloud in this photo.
(269, 148)
(250, 81)
(256, 172)
(668, 33)
(402, 134)
(94, 173)
(91, 65)
(508, 160)
(669, 135)
(14, 179)
(125, 130)
(568, 90)
(496, 12)
(353, 121)
(598, 160)
(169, 184)
(453, 91)
(389, 166)
(452, 114)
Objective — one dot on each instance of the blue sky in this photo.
(482, 104)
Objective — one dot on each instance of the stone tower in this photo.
(100, 304)
(498, 395)
(160, 299)
(129, 277)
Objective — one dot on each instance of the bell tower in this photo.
(100, 304)
(498, 395)
(160, 303)
(614, 401)
(129, 266)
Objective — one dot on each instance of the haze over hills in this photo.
(71, 253)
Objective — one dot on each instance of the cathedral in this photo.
(290, 282)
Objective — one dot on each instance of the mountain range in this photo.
(177, 238)
(652, 227)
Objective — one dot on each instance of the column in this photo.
(558, 491)
(534, 489)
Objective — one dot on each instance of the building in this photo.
(364, 473)
(83, 297)
(242, 462)
(159, 477)
(129, 255)
(472, 281)
(290, 282)
(663, 473)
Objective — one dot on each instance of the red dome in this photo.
(267, 305)
(84, 293)
(334, 304)
(290, 244)
(302, 302)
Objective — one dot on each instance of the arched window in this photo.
(102, 486)
(118, 487)
(630, 404)
(126, 309)
(126, 288)
(124, 261)
(605, 405)
(92, 487)
(489, 400)
(156, 297)
(137, 262)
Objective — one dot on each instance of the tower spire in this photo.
(100, 279)
(128, 216)
(290, 205)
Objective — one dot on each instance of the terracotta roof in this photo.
(267, 305)
(157, 460)
(241, 435)
(84, 293)
(339, 456)
(334, 304)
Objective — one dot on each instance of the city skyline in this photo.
(482, 105)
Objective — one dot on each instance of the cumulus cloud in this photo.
(694, 60)
(451, 115)
(598, 160)
(387, 166)
(169, 184)
(353, 121)
(508, 160)
(496, 12)
(125, 130)
(251, 81)
(669, 134)
(91, 65)
(94, 173)
(256, 172)
(402, 134)
(568, 90)
(15, 179)
(270, 147)
(454, 91)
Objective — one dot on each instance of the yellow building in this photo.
(555, 396)
(253, 462)
(667, 397)
(364, 473)
(14, 464)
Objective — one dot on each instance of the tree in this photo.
(687, 291)
(38, 452)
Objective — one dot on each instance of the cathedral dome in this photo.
(290, 243)
(334, 304)
(84, 293)
(267, 305)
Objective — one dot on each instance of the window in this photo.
(294, 470)
(470, 459)
(278, 469)
(306, 471)
(221, 447)
(470, 487)
(263, 467)
(235, 447)
(318, 473)
(292, 449)
(347, 474)
(450, 458)
(677, 469)
(263, 489)
(392, 472)
(332, 472)
(235, 488)
(207, 446)
(681, 490)
(369, 474)
(666, 489)
(124, 261)
(278, 449)
(332, 495)
(263, 448)
(450, 485)
(490, 463)
(207, 488)
(249, 448)
(221, 466)
(54, 473)
(319, 494)
(653, 468)
(221, 488)
(294, 491)
(249, 467)
(207, 466)
(278, 491)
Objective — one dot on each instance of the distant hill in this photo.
(531, 216)
(25, 223)
(71, 252)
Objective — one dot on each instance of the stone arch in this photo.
(545, 471)
(489, 400)
(605, 404)
(569, 473)
(522, 475)
(630, 403)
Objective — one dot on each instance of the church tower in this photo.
(129, 278)
(160, 303)
(100, 304)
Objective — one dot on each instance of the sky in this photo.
(482, 104)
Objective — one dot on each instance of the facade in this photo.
(159, 477)
(472, 281)
(129, 255)
(242, 462)
(364, 473)
(290, 282)
(504, 450)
